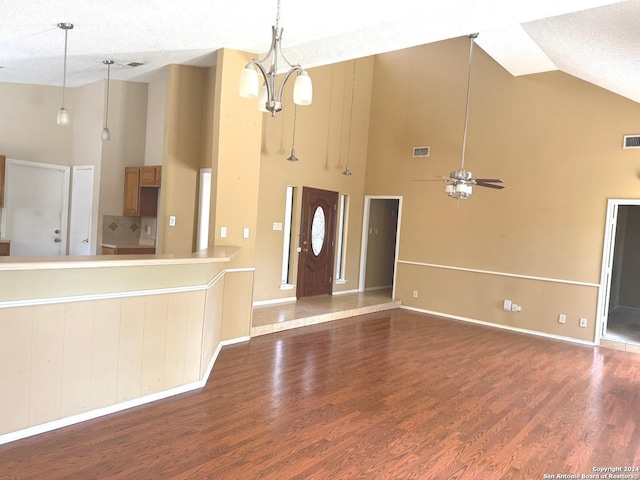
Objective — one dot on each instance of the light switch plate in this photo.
(223, 232)
(172, 221)
(245, 232)
(277, 226)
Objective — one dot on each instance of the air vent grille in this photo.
(421, 151)
(631, 141)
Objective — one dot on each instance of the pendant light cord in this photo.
(466, 113)
(353, 93)
(295, 117)
(106, 110)
(64, 74)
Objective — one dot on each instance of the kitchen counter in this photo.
(122, 330)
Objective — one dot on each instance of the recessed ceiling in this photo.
(595, 40)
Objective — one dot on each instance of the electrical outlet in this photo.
(516, 308)
(583, 322)
(415, 294)
(562, 318)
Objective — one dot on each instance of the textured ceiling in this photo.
(595, 40)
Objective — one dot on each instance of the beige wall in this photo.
(555, 140)
(235, 148)
(28, 123)
(322, 141)
(182, 157)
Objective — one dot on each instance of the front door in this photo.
(317, 242)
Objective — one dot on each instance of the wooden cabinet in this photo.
(141, 191)
(3, 162)
(5, 249)
(150, 176)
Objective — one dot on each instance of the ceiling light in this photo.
(269, 95)
(63, 114)
(106, 134)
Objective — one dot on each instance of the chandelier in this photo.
(270, 94)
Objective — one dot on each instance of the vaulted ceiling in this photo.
(595, 40)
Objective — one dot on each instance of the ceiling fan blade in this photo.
(489, 185)
(488, 180)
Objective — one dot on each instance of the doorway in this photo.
(317, 242)
(621, 273)
(36, 208)
(380, 242)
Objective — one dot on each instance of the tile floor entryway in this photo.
(324, 308)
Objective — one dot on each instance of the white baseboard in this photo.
(345, 292)
(275, 301)
(118, 407)
(503, 327)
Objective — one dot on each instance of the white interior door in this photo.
(36, 202)
(81, 206)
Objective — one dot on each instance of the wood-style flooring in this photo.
(389, 395)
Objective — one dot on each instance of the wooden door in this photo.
(317, 242)
(131, 191)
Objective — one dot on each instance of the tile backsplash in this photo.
(119, 228)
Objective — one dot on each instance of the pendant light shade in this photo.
(249, 83)
(63, 117)
(303, 89)
(106, 134)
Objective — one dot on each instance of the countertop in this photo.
(209, 255)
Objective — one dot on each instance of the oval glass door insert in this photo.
(317, 231)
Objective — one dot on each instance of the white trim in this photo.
(345, 292)
(503, 327)
(365, 238)
(341, 281)
(104, 296)
(243, 269)
(384, 287)
(118, 407)
(502, 274)
(287, 286)
(274, 301)
(611, 224)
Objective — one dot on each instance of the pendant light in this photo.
(292, 157)
(347, 171)
(63, 114)
(270, 100)
(106, 135)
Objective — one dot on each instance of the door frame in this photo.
(74, 201)
(365, 239)
(604, 292)
(64, 220)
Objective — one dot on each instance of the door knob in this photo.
(57, 240)
(299, 249)
(56, 231)
(86, 240)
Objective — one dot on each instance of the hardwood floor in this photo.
(389, 395)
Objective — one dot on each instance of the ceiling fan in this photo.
(460, 182)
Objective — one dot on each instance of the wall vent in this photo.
(421, 151)
(631, 141)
